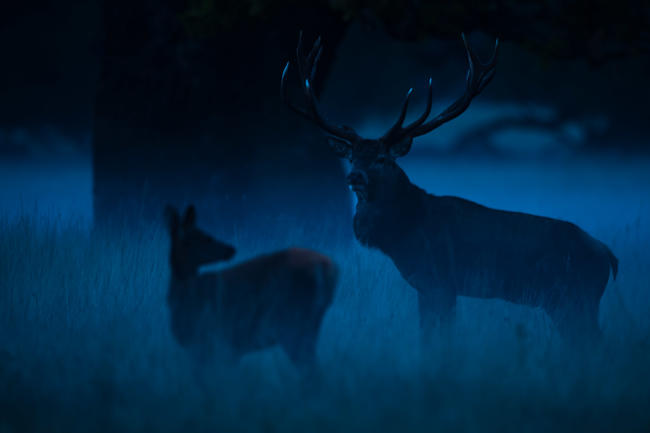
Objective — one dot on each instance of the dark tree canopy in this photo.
(184, 119)
(598, 30)
(192, 86)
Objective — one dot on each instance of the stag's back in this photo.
(515, 252)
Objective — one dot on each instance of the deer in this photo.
(278, 298)
(446, 246)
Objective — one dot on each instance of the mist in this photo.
(103, 125)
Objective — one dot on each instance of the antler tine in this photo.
(470, 58)
(495, 54)
(307, 66)
(397, 128)
(315, 49)
(478, 76)
(299, 54)
(473, 58)
(427, 109)
(400, 120)
(285, 94)
(487, 69)
(491, 64)
(314, 64)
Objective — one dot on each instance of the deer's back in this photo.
(257, 301)
(293, 269)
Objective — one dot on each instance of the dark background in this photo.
(110, 109)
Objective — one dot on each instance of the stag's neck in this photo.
(385, 222)
(408, 231)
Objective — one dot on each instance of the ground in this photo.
(85, 343)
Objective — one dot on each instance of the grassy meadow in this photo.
(85, 346)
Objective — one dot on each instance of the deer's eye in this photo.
(380, 159)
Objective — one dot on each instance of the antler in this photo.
(306, 71)
(478, 76)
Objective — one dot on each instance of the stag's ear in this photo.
(341, 148)
(172, 219)
(401, 148)
(189, 217)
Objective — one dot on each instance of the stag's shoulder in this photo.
(464, 210)
(454, 205)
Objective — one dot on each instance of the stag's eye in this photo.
(380, 159)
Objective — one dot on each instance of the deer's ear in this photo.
(401, 148)
(341, 148)
(172, 219)
(189, 217)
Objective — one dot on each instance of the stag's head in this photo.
(375, 173)
(191, 247)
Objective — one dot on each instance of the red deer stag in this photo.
(279, 298)
(448, 246)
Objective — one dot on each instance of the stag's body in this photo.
(448, 246)
(274, 299)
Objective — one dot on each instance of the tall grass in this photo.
(85, 346)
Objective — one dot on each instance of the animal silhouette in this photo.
(273, 299)
(447, 246)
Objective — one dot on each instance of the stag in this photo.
(274, 299)
(446, 246)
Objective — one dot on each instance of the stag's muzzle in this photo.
(357, 179)
(358, 183)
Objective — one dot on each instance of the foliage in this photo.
(207, 17)
(597, 30)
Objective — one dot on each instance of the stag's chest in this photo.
(368, 225)
(410, 236)
(384, 222)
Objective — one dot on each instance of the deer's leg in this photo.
(301, 350)
(437, 311)
(208, 360)
(201, 369)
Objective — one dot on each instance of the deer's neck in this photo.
(179, 286)
(199, 289)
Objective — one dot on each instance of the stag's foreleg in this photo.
(574, 311)
(577, 321)
(437, 312)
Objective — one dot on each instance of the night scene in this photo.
(325, 216)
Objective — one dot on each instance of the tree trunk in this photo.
(180, 120)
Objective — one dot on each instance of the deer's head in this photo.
(374, 173)
(191, 247)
